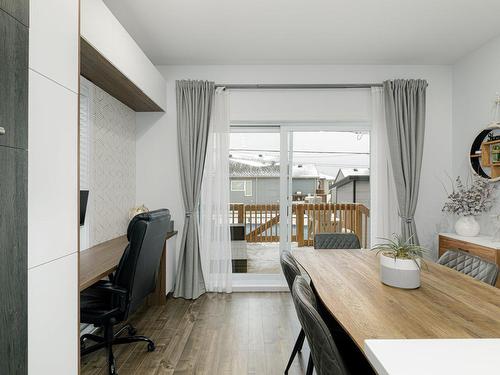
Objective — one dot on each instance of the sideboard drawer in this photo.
(446, 243)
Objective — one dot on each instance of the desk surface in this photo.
(434, 357)
(99, 261)
(447, 305)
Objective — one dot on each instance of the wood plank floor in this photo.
(239, 333)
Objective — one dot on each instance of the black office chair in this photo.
(108, 303)
(325, 355)
(336, 241)
(471, 265)
(291, 271)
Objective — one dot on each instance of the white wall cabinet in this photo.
(52, 171)
(52, 317)
(52, 188)
(101, 29)
(53, 41)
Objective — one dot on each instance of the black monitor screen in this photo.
(84, 196)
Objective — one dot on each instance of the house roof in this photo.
(239, 169)
(243, 170)
(346, 175)
(346, 172)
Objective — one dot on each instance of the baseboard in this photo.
(260, 288)
(259, 283)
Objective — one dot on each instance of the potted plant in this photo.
(400, 262)
(468, 201)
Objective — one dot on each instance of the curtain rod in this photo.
(298, 86)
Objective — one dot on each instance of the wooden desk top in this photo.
(100, 260)
(447, 305)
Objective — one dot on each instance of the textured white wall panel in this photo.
(112, 166)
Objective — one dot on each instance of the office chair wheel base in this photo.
(151, 347)
(112, 366)
(132, 331)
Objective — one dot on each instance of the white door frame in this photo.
(251, 282)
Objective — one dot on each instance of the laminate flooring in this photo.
(238, 333)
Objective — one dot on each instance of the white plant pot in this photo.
(400, 273)
(467, 226)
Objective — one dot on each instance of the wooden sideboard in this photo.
(481, 246)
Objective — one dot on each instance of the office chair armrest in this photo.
(107, 286)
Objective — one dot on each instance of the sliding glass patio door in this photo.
(288, 183)
(255, 214)
(325, 182)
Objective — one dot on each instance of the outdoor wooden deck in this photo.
(261, 221)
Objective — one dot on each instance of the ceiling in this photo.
(308, 31)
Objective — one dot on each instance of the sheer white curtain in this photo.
(215, 238)
(384, 205)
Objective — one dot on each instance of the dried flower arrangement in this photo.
(470, 199)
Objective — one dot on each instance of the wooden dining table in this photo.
(448, 304)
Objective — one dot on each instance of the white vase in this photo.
(467, 226)
(400, 273)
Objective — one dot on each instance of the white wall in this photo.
(158, 183)
(52, 188)
(476, 83)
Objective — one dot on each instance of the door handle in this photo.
(2, 131)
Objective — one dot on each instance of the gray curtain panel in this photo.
(405, 121)
(194, 107)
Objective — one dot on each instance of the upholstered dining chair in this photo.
(326, 358)
(471, 265)
(291, 271)
(336, 241)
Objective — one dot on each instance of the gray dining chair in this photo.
(336, 241)
(291, 271)
(471, 265)
(326, 357)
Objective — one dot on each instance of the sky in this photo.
(329, 151)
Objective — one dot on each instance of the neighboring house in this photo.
(352, 185)
(260, 184)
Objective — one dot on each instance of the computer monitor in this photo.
(84, 196)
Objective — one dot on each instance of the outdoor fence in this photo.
(261, 221)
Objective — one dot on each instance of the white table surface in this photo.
(434, 356)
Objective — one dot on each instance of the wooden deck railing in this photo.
(262, 221)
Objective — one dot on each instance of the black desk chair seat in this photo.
(108, 303)
(97, 305)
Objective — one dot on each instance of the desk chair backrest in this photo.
(336, 241)
(138, 267)
(290, 268)
(324, 352)
(471, 265)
